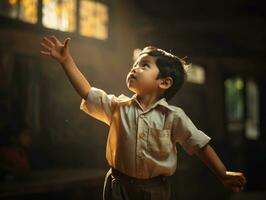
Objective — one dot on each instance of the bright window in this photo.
(252, 121)
(62, 15)
(234, 102)
(25, 10)
(196, 74)
(59, 14)
(28, 11)
(93, 19)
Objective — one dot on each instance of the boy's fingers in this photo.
(45, 53)
(48, 42)
(237, 188)
(55, 40)
(66, 41)
(45, 46)
(245, 179)
(242, 180)
(236, 184)
(240, 188)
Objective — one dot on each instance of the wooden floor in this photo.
(49, 184)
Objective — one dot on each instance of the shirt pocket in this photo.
(159, 142)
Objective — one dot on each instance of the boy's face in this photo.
(142, 78)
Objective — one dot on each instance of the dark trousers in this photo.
(118, 186)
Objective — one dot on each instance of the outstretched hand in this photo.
(234, 181)
(56, 49)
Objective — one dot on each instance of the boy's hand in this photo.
(234, 181)
(54, 48)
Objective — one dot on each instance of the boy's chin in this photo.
(132, 89)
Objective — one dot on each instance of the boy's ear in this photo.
(166, 82)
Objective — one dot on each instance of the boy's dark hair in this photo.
(168, 65)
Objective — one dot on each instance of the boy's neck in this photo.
(146, 101)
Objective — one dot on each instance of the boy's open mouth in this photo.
(132, 76)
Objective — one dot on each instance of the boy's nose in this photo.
(134, 69)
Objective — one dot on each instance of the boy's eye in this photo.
(146, 65)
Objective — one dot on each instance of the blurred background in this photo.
(49, 149)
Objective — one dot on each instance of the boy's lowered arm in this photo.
(60, 52)
(232, 180)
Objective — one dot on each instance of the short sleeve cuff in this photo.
(90, 98)
(196, 142)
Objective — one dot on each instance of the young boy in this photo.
(144, 129)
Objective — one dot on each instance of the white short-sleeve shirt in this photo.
(142, 144)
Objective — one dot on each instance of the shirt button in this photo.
(141, 136)
(139, 156)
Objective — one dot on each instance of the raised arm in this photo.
(60, 52)
(232, 180)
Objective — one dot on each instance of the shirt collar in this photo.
(161, 102)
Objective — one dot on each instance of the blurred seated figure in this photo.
(14, 160)
(18, 154)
